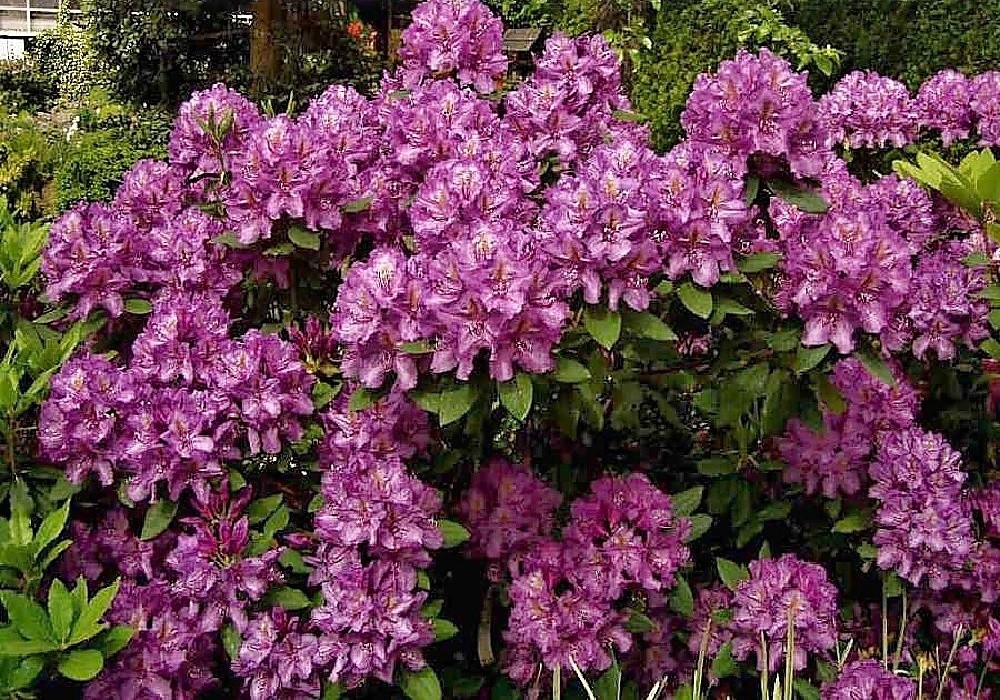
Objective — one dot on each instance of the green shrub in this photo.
(910, 40)
(111, 139)
(28, 158)
(25, 86)
(66, 56)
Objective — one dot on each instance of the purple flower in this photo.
(507, 509)
(627, 535)
(193, 148)
(924, 524)
(757, 106)
(986, 107)
(459, 38)
(867, 110)
(869, 679)
(835, 459)
(553, 620)
(944, 104)
(780, 592)
(277, 659)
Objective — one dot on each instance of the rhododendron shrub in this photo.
(463, 390)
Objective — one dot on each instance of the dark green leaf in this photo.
(277, 522)
(231, 642)
(682, 598)
(81, 664)
(453, 533)
(638, 622)
(723, 665)
(50, 316)
(229, 240)
(805, 689)
(358, 205)
(303, 238)
(261, 509)
(517, 395)
(443, 629)
(877, 366)
(115, 639)
(138, 306)
(570, 371)
(687, 502)
(27, 647)
(61, 611)
(603, 325)
(700, 523)
(25, 673)
(158, 518)
(830, 395)
(289, 598)
(855, 522)
(420, 685)
(361, 399)
(293, 561)
(429, 401)
(88, 623)
(431, 609)
(806, 200)
(757, 262)
(646, 325)
(323, 394)
(751, 189)
(698, 301)
(778, 510)
(806, 358)
(608, 685)
(418, 347)
(991, 347)
(731, 573)
(50, 528)
(716, 466)
(455, 403)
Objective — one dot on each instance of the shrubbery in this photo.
(909, 40)
(466, 391)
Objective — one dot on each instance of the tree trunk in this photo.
(264, 59)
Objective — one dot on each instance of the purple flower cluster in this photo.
(924, 527)
(834, 461)
(944, 104)
(943, 310)
(757, 106)
(869, 679)
(189, 399)
(780, 592)
(873, 263)
(564, 595)
(567, 108)
(867, 110)
(392, 427)
(986, 107)
(177, 592)
(700, 209)
(459, 38)
(507, 509)
(372, 536)
(277, 658)
(196, 148)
